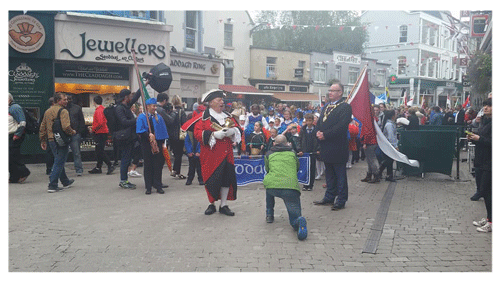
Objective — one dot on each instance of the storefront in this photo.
(93, 55)
(31, 57)
(193, 75)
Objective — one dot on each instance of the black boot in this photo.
(376, 178)
(367, 178)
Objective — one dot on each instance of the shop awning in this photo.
(88, 88)
(299, 97)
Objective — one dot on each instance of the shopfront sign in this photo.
(86, 42)
(26, 34)
(302, 89)
(83, 71)
(270, 87)
(346, 58)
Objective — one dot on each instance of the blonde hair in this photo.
(176, 100)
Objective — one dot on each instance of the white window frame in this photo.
(271, 67)
(319, 72)
(353, 75)
(189, 29)
(403, 34)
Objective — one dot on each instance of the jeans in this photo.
(58, 172)
(126, 154)
(292, 202)
(76, 140)
(336, 183)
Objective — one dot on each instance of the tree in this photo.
(307, 31)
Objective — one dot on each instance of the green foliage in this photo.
(480, 70)
(322, 33)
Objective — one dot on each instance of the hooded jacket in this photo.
(281, 164)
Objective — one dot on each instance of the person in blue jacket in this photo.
(153, 162)
(193, 152)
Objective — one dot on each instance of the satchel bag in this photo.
(60, 137)
(182, 133)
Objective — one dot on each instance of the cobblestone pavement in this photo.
(97, 227)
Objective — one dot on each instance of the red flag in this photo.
(466, 103)
(361, 106)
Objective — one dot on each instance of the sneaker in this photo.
(318, 177)
(127, 185)
(52, 190)
(95, 171)
(134, 173)
(269, 219)
(481, 222)
(79, 174)
(110, 170)
(302, 230)
(68, 185)
(485, 228)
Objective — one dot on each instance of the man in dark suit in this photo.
(332, 127)
(460, 117)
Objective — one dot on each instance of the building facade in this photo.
(422, 52)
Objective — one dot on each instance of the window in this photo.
(191, 29)
(432, 65)
(403, 34)
(401, 65)
(228, 35)
(228, 72)
(423, 68)
(432, 36)
(380, 78)
(353, 75)
(320, 72)
(271, 67)
(446, 40)
(338, 71)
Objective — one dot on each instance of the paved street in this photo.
(97, 227)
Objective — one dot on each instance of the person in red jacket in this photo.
(100, 131)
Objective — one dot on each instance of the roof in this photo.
(296, 96)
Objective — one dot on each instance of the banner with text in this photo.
(250, 170)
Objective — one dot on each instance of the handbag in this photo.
(182, 133)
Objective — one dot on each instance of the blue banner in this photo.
(253, 170)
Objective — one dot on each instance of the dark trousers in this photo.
(194, 166)
(178, 151)
(136, 153)
(100, 143)
(387, 162)
(125, 150)
(153, 165)
(355, 153)
(312, 170)
(336, 183)
(484, 182)
(17, 169)
(292, 202)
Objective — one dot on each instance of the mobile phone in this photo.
(468, 133)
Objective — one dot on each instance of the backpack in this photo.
(110, 113)
(32, 126)
(60, 137)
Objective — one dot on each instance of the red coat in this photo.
(99, 125)
(217, 163)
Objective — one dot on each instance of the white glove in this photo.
(230, 132)
(219, 134)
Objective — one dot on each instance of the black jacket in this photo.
(335, 148)
(179, 117)
(414, 122)
(125, 117)
(309, 143)
(76, 118)
(461, 117)
(482, 159)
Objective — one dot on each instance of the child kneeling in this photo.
(282, 165)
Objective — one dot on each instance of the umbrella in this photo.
(166, 154)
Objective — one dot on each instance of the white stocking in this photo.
(224, 191)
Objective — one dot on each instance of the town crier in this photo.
(216, 130)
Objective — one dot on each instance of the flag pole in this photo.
(357, 82)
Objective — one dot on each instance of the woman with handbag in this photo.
(152, 132)
(177, 137)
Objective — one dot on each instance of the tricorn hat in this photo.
(212, 94)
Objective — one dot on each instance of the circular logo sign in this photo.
(26, 34)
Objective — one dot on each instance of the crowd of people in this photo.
(214, 132)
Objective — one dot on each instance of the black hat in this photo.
(212, 94)
(124, 92)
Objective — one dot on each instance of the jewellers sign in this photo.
(113, 44)
(345, 58)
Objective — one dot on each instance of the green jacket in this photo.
(282, 165)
